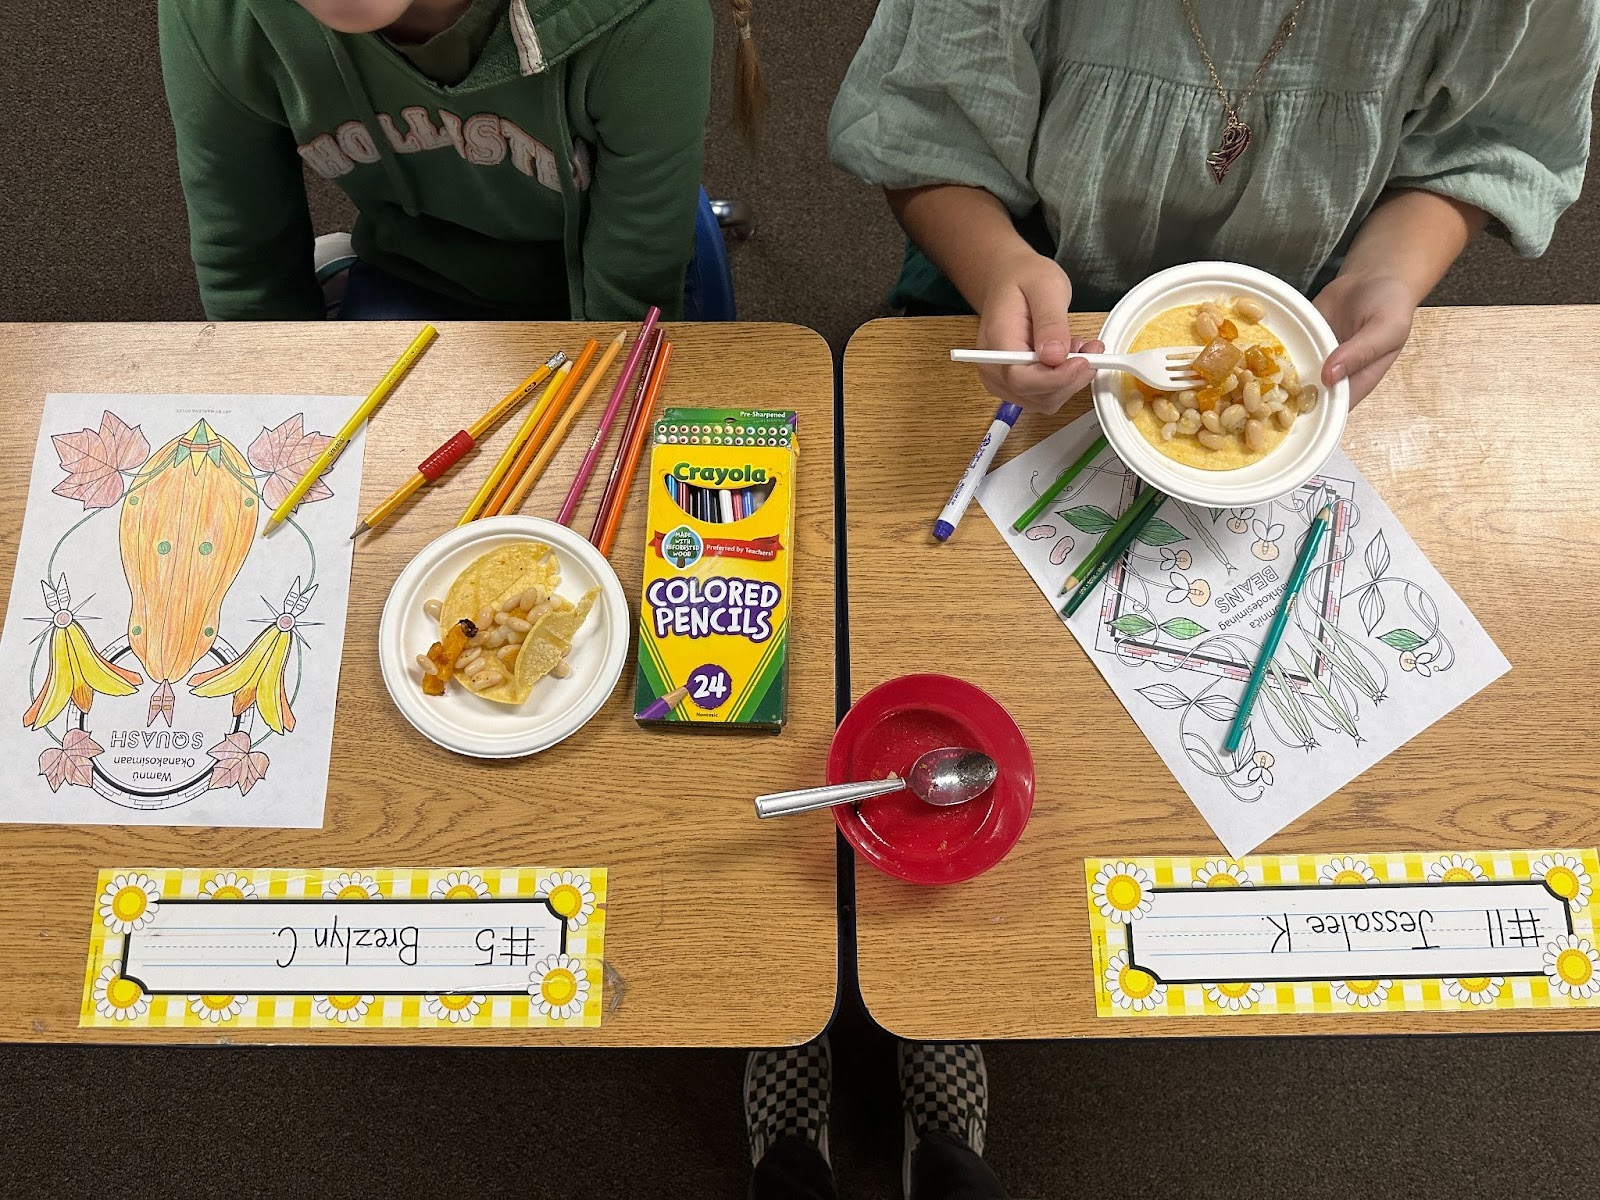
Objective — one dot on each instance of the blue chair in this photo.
(708, 284)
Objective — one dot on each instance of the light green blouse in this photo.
(1099, 114)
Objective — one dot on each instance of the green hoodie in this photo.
(466, 190)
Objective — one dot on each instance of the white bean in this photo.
(1306, 400)
(1132, 406)
(1165, 410)
(561, 670)
(1251, 398)
(1249, 309)
(1168, 431)
(1187, 399)
(1210, 421)
(1230, 385)
(1205, 326)
(433, 608)
(468, 657)
(485, 619)
(1286, 418)
(1275, 395)
(1233, 418)
(1214, 441)
(1209, 308)
(427, 665)
(518, 625)
(513, 638)
(509, 653)
(1190, 421)
(1255, 435)
(489, 679)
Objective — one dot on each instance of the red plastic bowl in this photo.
(884, 733)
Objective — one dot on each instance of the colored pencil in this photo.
(364, 410)
(659, 709)
(580, 480)
(630, 428)
(433, 468)
(1059, 486)
(557, 435)
(514, 446)
(641, 438)
(1115, 553)
(1269, 647)
(530, 446)
(1108, 539)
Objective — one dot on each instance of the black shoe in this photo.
(943, 1089)
(786, 1094)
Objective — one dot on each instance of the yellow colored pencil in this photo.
(531, 444)
(553, 442)
(331, 452)
(535, 415)
(447, 455)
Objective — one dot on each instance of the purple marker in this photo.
(967, 485)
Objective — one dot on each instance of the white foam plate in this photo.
(557, 708)
(1304, 334)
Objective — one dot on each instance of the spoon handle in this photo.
(781, 804)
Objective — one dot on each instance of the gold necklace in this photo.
(1236, 134)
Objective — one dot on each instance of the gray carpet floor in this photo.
(92, 228)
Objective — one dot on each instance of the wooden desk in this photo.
(669, 815)
(1007, 955)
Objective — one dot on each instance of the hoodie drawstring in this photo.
(356, 89)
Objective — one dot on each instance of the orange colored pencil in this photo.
(559, 433)
(494, 505)
(635, 449)
(518, 440)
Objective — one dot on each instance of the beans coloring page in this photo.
(1377, 649)
(161, 663)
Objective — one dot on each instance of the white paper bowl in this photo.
(1304, 334)
(558, 708)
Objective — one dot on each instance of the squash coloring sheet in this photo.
(1378, 646)
(161, 663)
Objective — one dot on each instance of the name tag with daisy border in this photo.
(377, 948)
(1409, 932)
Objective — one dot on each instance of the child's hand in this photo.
(1026, 309)
(1371, 316)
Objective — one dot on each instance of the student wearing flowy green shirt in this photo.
(521, 158)
(1376, 138)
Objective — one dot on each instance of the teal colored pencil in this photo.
(1059, 486)
(1302, 568)
(1109, 538)
(1153, 500)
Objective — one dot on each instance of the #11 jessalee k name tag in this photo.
(1413, 932)
(382, 948)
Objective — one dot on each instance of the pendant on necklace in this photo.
(1235, 141)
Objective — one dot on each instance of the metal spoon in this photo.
(946, 776)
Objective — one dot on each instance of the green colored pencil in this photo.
(1059, 486)
(1109, 538)
(1302, 568)
(1118, 548)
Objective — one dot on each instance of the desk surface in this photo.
(1485, 496)
(668, 814)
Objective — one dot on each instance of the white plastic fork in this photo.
(1167, 369)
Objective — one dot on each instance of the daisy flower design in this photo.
(1573, 966)
(1235, 997)
(118, 998)
(343, 1009)
(217, 1009)
(1565, 876)
(229, 885)
(455, 1008)
(571, 896)
(352, 885)
(1122, 891)
(1362, 993)
(1484, 989)
(1220, 873)
(461, 885)
(129, 902)
(559, 987)
(1346, 870)
(1456, 868)
(1132, 987)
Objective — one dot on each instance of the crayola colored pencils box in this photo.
(714, 618)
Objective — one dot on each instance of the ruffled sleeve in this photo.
(1503, 122)
(943, 91)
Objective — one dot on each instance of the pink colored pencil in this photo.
(636, 413)
(586, 467)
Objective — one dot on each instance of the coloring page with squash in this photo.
(1378, 647)
(161, 663)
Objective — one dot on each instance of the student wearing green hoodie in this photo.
(534, 159)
